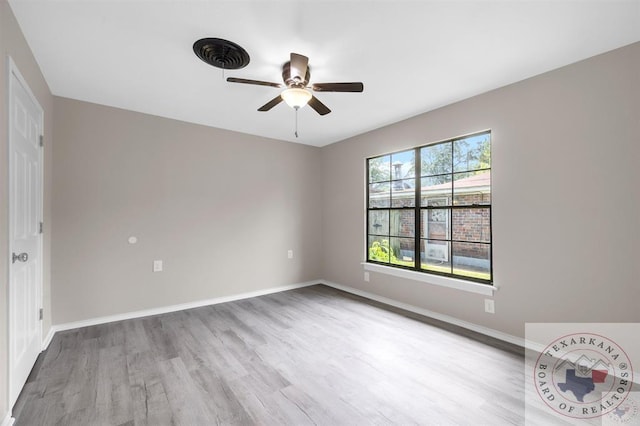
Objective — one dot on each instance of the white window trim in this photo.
(438, 280)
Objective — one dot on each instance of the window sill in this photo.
(458, 284)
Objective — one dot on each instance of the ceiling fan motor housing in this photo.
(294, 82)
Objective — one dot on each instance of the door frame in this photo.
(14, 76)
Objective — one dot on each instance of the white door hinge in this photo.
(41, 140)
(41, 226)
(40, 315)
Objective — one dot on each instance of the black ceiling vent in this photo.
(221, 53)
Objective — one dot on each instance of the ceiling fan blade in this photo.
(320, 108)
(338, 87)
(273, 102)
(256, 82)
(298, 65)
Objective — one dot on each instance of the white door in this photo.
(25, 238)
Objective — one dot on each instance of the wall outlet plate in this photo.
(489, 306)
(366, 276)
(157, 266)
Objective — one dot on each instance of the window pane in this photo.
(403, 193)
(436, 191)
(472, 260)
(379, 195)
(378, 249)
(434, 256)
(435, 224)
(472, 153)
(472, 188)
(435, 159)
(455, 208)
(403, 165)
(379, 222)
(380, 169)
(403, 223)
(471, 225)
(402, 251)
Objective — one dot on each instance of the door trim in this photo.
(13, 71)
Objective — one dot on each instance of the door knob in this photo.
(22, 257)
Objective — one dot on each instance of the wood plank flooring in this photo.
(310, 356)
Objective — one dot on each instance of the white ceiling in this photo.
(413, 56)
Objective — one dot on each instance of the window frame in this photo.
(418, 237)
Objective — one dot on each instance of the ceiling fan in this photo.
(296, 75)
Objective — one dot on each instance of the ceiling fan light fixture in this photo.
(295, 97)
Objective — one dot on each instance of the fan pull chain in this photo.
(296, 132)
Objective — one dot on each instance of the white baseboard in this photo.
(196, 304)
(171, 308)
(519, 341)
(534, 346)
(8, 420)
(48, 338)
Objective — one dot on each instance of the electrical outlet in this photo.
(366, 276)
(290, 254)
(157, 266)
(489, 306)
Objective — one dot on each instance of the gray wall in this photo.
(12, 43)
(566, 210)
(220, 208)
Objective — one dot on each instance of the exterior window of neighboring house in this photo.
(429, 208)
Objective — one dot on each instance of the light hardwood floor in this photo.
(310, 356)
